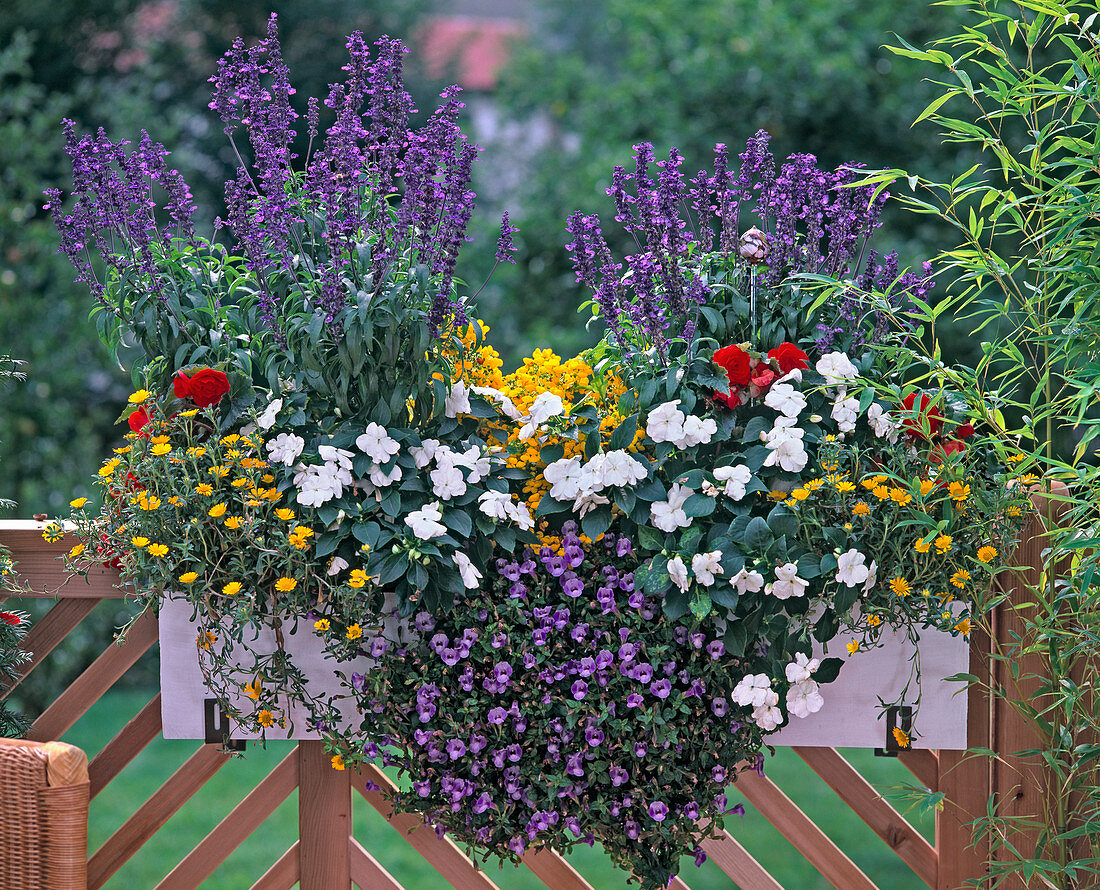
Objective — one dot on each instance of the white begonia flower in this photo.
(564, 476)
(669, 515)
(678, 572)
(338, 456)
(666, 423)
(882, 423)
(520, 514)
(621, 470)
(845, 411)
(336, 566)
(787, 583)
(267, 420)
(804, 699)
(381, 478)
(377, 444)
(736, 478)
(698, 431)
(785, 399)
(836, 368)
(458, 400)
(285, 448)
(768, 716)
(507, 408)
(448, 481)
(470, 575)
(494, 504)
(801, 668)
(872, 576)
(706, 565)
(752, 691)
(423, 453)
(852, 569)
(747, 582)
(425, 523)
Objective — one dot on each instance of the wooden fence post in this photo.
(324, 820)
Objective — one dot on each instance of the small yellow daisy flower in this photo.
(285, 585)
(136, 398)
(284, 514)
(861, 509)
(922, 546)
(232, 588)
(942, 543)
(253, 690)
(205, 639)
(925, 487)
(265, 718)
(900, 496)
(874, 620)
(233, 522)
(354, 632)
(162, 449)
(220, 472)
(358, 578)
(900, 587)
(189, 413)
(158, 550)
(901, 737)
(107, 470)
(882, 492)
(78, 503)
(800, 494)
(337, 762)
(188, 577)
(958, 491)
(196, 451)
(76, 551)
(53, 532)
(845, 486)
(987, 554)
(138, 541)
(322, 625)
(217, 510)
(777, 495)
(960, 578)
(204, 489)
(964, 627)
(240, 483)
(853, 647)
(125, 449)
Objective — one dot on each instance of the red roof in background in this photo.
(470, 50)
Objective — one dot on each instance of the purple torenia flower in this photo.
(456, 748)
(618, 775)
(579, 689)
(658, 811)
(634, 700)
(497, 716)
(662, 688)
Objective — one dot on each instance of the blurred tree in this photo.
(601, 75)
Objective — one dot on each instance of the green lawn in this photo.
(145, 774)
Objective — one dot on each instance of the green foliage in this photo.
(1021, 84)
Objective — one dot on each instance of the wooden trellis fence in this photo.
(328, 857)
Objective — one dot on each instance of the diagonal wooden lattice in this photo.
(327, 857)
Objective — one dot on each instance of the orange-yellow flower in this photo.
(987, 553)
(232, 588)
(285, 585)
(354, 632)
(217, 510)
(265, 718)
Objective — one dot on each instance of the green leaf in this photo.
(828, 670)
(675, 604)
(700, 603)
(699, 505)
(724, 595)
(782, 521)
(458, 521)
(649, 538)
(595, 522)
(758, 536)
(624, 434)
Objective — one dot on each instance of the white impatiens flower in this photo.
(747, 582)
(318, 485)
(845, 411)
(678, 572)
(470, 575)
(804, 699)
(872, 576)
(458, 400)
(494, 504)
(267, 420)
(381, 478)
(377, 444)
(736, 478)
(669, 515)
(768, 716)
(588, 500)
(545, 406)
(836, 368)
(620, 469)
(285, 448)
(564, 476)
(785, 448)
(801, 668)
(852, 569)
(336, 565)
(697, 431)
(753, 690)
(472, 459)
(448, 481)
(423, 453)
(882, 423)
(666, 423)
(336, 456)
(785, 399)
(705, 566)
(787, 583)
(520, 514)
(425, 523)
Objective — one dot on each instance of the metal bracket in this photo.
(219, 734)
(905, 712)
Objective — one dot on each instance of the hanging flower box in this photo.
(615, 573)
